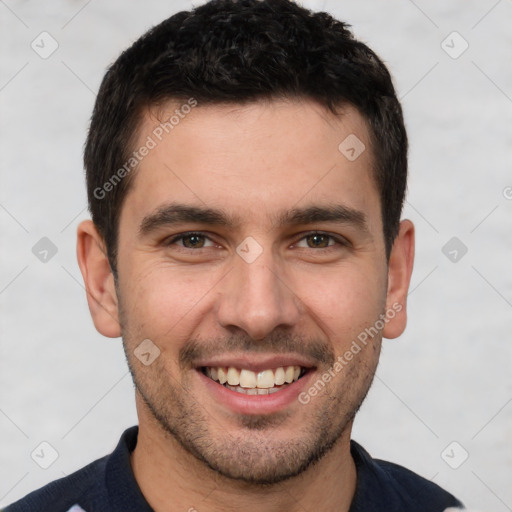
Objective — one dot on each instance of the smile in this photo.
(248, 382)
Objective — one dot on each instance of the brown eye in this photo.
(193, 241)
(317, 240)
(322, 242)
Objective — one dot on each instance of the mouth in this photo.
(248, 382)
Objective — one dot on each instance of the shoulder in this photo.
(383, 485)
(87, 488)
(62, 494)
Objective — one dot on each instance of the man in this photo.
(246, 169)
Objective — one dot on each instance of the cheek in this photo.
(161, 301)
(344, 301)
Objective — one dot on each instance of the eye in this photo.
(320, 241)
(191, 241)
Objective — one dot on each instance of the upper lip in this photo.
(256, 363)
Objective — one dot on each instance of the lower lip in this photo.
(256, 404)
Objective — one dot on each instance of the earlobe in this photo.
(98, 279)
(400, 266)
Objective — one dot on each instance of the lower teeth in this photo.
(255, 391)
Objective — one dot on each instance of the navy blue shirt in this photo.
(108, 485)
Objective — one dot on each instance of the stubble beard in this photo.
(250, 454)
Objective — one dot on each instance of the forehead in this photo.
(255, 161)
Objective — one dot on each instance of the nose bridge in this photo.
(255, 297)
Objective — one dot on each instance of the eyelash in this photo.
(339, 240)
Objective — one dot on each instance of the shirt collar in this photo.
(123, 491)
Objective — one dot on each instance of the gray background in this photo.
(446, 379)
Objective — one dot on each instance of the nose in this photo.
(255, 297)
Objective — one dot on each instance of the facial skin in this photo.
(303, 299)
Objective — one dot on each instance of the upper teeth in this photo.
(249, 379)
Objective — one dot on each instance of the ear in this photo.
(98, 279)
(400, 266)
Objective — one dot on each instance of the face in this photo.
(251, 249)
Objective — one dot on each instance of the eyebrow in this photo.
(176, 213)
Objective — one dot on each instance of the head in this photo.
(276, 138)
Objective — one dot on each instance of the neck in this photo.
(167, 473)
